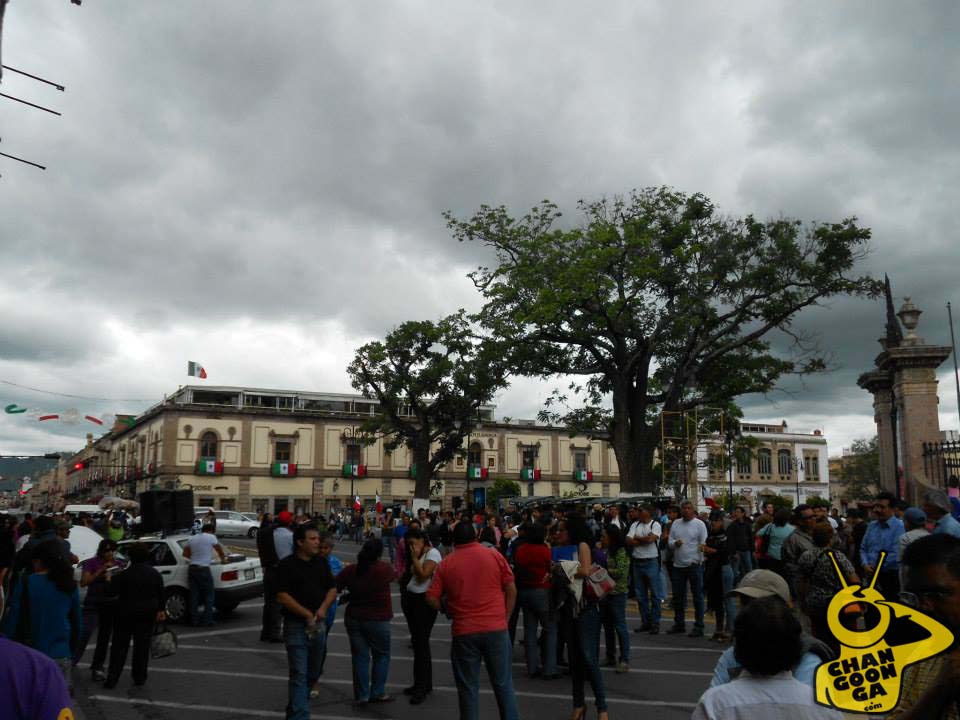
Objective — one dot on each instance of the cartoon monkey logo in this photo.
(886, 638)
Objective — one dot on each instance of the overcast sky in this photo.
(259, 186)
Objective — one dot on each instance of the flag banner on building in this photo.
(477, 472)
(530, 473)
(195, 369)
(582, 475)
(412, 472)
(209, 467)
(353, 470)
(357, 505)
(283, 469)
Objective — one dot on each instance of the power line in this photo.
(76, 397)
(58, 86)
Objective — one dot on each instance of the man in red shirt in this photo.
(478, 586)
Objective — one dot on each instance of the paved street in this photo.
(225, 672)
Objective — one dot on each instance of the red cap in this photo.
(285, 517)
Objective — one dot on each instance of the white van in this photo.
(75, 510)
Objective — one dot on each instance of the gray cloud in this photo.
(230, 173)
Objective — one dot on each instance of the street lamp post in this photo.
(797, 468)
(733, 433)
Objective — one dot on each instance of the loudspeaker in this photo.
(164, 510)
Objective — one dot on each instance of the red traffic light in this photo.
(78, 466)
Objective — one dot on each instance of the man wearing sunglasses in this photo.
(931, 688)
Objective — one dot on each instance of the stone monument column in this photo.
(879, 384)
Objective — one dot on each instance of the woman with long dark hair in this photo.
(98, 606)
(613, 608)
(45, 610)
(531, 570)
(584, 626)
(422, 563)
(367, 620)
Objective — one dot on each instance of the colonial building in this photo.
(255, 449)
(780, 462)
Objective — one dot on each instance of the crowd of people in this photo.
(767, 579)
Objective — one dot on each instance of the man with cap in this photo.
(768, 584)
(936, 505)
(915, 527)
(283, 535)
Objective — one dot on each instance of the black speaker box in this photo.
(165, 510)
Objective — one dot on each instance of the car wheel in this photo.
(227, 606)
(252, 533)
(178, 605)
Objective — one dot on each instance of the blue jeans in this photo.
(692, 574)
(369, 637)
(744, 563)
(615, 626)
(535, 604)
(494, 649)
(201, 593)
(391, 542)
(646, 579)
(729, 602)
(305, 659)
(584, 661)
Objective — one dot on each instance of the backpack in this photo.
(598, 584)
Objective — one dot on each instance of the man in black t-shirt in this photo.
(305, 591)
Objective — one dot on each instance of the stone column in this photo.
(879, 384)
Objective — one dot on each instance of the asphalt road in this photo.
(226, 672)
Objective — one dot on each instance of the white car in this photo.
(233, 523)
(236, 580)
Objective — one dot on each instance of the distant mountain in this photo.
(13, 470)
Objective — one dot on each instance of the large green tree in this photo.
(656, 301)
(430, 379)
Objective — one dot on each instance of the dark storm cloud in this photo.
(259, 166)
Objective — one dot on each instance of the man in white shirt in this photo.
(199, 551)
(687, 537)
(643, 538)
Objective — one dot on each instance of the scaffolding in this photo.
(682, 434)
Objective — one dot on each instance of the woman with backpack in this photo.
(614, 606)
(818, 582)
(584, 621)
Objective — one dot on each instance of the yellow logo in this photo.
(884, 640)
(65, 714)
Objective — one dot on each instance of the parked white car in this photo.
(236, 580)
(234, 523)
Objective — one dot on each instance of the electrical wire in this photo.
(77, 397)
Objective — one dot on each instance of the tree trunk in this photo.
(424, 479)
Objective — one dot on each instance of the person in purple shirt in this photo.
(31, 685)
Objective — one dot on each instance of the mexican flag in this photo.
(379, 504)
(283, 469)
(582, 475)
(413, 471)
(209, 467)
(357, 505)
(477, 472)
(530, 473)
(195, 369)
(353, 470)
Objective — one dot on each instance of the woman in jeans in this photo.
(585, 627)
(614, 605)
(718, 577)
(45, 609)
(531, 568)
(367, 620)
(423, 562)
(98, 606)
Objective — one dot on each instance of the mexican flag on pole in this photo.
(582, 475)
(195, 369)
(354, 470)
(209, 467)
(379, 504)
(357, 505)
(477, 472)
(283, 469)
(530, 473)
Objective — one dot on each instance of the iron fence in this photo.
(941, 461)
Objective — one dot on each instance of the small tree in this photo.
(860, 470)
(430, 379)
(501, 488)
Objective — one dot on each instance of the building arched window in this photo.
(764, 461)
(783, 462)
(475, 454)
(208, 445)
